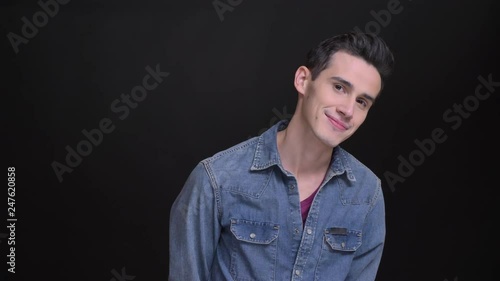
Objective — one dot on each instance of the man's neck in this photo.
(301, 152)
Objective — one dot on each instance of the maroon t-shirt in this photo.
(305, 205)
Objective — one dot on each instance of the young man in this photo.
(291, 204)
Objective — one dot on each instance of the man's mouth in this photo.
(336, 123)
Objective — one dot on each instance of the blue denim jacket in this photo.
(238, 218)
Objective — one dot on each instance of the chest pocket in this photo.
(342, 239)
(254, 247)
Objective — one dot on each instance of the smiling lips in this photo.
(337, 124)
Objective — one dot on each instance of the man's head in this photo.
(338, 84)
(369, 47)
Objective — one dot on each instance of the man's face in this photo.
(336, 103)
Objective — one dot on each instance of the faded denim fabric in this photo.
(238, 218)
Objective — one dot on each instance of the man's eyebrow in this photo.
(349, 85)
(368, 97)
(342, 80)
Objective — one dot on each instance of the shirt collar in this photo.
(267, 155)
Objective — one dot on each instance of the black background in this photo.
(231, 78)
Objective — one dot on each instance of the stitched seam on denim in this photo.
(375, 201)
(378, 193)
(232, 149)
(215, 188)
(347, 156)
(257, 157)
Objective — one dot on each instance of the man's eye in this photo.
(363, 103)
(339, 87)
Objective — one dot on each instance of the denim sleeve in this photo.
(194, 229)
(365, 264)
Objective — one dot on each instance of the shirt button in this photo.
(252, 235)
(292, 186)
(342, 245)
(309, 231)
(297, 272)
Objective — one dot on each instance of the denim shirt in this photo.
(238, 218)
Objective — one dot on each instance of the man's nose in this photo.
(346, 108)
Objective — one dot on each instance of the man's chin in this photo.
(330, 142)
(328, 138)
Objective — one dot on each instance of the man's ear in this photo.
(302, 76)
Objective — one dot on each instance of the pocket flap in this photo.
(343, 239)
(253, 231)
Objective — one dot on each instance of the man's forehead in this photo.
(353, 71)
(343, 57)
